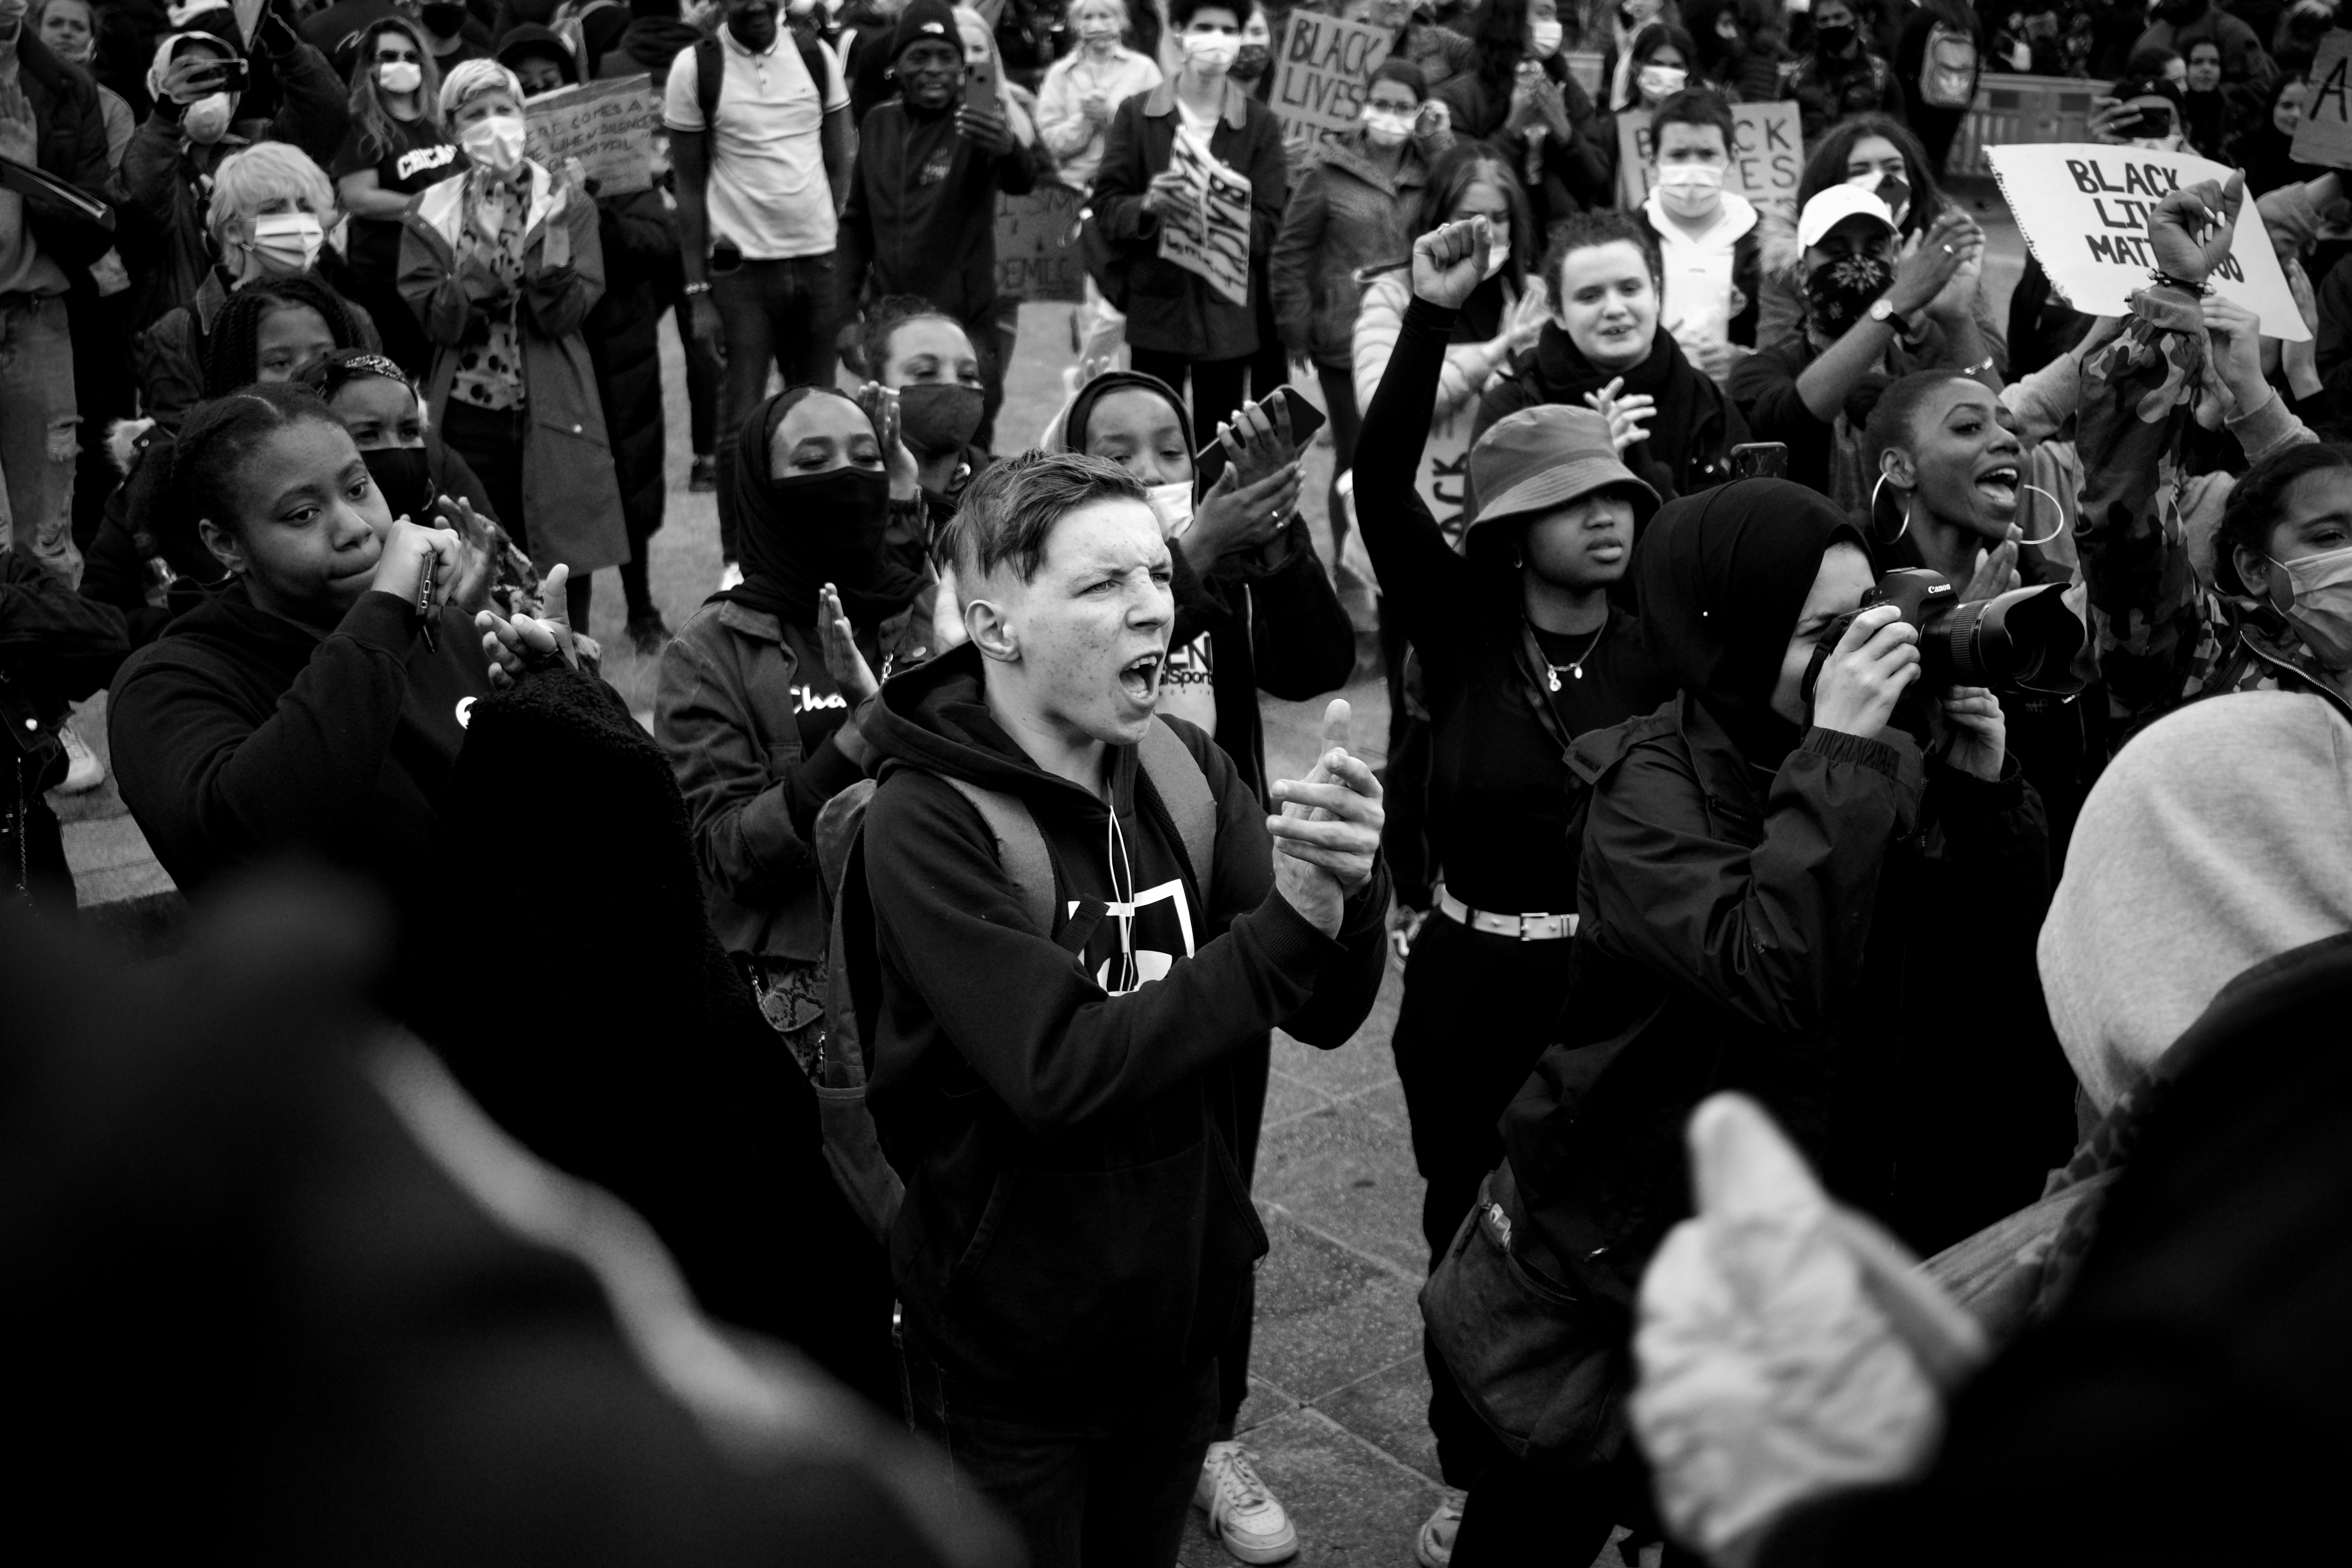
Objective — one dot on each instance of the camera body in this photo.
(2026, 640)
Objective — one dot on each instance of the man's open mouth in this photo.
(1140, 676)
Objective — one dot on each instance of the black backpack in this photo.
(710, 73)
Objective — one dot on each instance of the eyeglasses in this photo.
(389, 56)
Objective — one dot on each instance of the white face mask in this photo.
(1662, 81)
(1690, 190)
(1174, 505)
(2322, 611)
(1543, 39)
(1211, 54)
(1498, 248)
(207, 120)
(495, 142)
(1385, 128)
(290, 240)
(399, 75)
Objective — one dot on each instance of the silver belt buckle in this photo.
(1526, 927)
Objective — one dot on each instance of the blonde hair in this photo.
(265, 171)
(470, 80)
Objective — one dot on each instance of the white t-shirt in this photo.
(767, 190)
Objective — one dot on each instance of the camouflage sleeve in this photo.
(2138, 396)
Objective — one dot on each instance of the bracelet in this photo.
(2163, 278)
(1979, 368)
(691, 289)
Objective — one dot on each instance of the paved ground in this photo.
(1337, 1389)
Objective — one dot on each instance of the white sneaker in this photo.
(732, 577)
(1433, 1548)
(83, 769)
(1246, 1516)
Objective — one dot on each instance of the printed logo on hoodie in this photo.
(1160, 913)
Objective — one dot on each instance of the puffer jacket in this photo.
(640, 239)
(1790, 938)
(1346, 215)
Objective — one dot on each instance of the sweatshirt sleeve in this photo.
(1422, 580)
(1055, 1048)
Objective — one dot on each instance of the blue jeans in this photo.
(1106, 1488)
(39, 425)
(777, 312)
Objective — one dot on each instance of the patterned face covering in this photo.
(1839, 292)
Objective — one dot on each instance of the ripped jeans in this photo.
(38, 421)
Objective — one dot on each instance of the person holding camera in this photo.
(1810, 877)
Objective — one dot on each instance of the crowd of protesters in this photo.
(1865, 760)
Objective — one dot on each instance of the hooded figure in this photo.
(1781, 909)
(757, 729)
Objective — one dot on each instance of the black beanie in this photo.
(926, 19)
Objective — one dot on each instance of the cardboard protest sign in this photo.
(2323, 135)
(1038, 243)
(249, 17)
(1768, 156)
(1217, 245)
(609, 126)
(1320, 81)
(2083, 208)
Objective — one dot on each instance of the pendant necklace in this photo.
(1576, 667)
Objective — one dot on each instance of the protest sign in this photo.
(1768, 156)
(1038, 243)
(1319, 84)
(2083, 208)
(609, 126)
(249, 17)
(1216, 245)
(2323, 135)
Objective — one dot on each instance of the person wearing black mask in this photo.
(759, 696)
(1839, 75)
(454, 36)
(1774, 873)
(928, 359)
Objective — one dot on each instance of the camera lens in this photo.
(2023, 640)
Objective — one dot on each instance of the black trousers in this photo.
(1521, 1518)
(1478, 1011)
(1250, 1069)
(1217, 391)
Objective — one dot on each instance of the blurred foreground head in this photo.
(274, 1283)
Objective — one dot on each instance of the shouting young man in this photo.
(1082, 919)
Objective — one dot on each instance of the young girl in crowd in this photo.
(1085, 88)
(1517, 96)
(1605, 348)
(1349, 216)
(928, 359)
(1659, 66)
(1771, 893)
(757, 705)
(1520, 651)
(501, 267)
(397, 147)
(1709, 249)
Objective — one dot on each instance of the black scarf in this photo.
(1723, 575)
(1558, 372)
(789, 554)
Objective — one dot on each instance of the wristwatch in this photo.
(1881, 311)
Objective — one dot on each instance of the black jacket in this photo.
(72, 148)
(1691, 437)
(921, 214)
(640, 239)
(1846, 941)
(1076, 1225)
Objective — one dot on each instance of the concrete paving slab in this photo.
(1349, 1175)
(1326, 1317)
(1389, 1409)
(1350, 1502)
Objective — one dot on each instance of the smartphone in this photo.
(1761, 460)
(980, 88)
(2153, 120)
(1305, 420)
(232, 77)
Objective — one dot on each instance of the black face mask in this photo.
(842, 513)
(445, 20)
(1833, 40)
(1252, 62)
(405, 479)
(936, 419)
(1839, 292)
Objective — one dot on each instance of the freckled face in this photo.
(1092, 624)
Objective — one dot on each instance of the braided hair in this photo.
(231, 354)
(216, 441)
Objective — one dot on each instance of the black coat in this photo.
(1847, 942)
(71, 147)
(640, 239)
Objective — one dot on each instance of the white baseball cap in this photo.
(1832, 206)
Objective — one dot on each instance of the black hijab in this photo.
(1723, 575)
(789, 550)
(1082, 406)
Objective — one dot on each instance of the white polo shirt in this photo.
(767, 190)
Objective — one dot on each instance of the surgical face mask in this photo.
(2322, 611)
(1661, 83)
(1838, 293)
(1386, 128)
(1543, 39)
(399, 75)
(1099, 30)
(1498, 248)
(1211, 54)
(495, 142)
(207, 120)
(290, 240)
(1173, 503)
(939, 417)
(1252, 62)
(1690, 190)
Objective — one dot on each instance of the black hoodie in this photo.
(1076, 1224)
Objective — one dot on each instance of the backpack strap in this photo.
(1020, 849)
(710, 75)
(1184, 790)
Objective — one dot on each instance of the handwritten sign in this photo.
(2323, 135)
(1216, 246)
(1318, 86)
(1037, 245)
(2083, 209)
(608, 125)
(1768, 156)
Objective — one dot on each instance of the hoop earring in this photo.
(1874, 512)
(2055, 506)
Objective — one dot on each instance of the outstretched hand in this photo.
(525, 643)
(1450, 260)
(2191, 229)
(1328, 833)
(1628, 414)
(847, 667)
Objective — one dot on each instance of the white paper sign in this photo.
(2083, 209)
(1326, 67)
(1217, 245)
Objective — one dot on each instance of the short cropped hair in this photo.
(265, 171)
(1604, 226)
(1010, 509)
(1180, 11)
(1695, 106)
